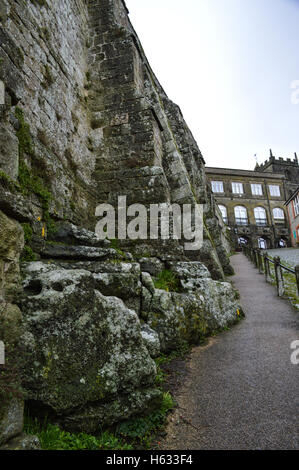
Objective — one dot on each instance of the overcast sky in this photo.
(229, 65)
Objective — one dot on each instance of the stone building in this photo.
(292, 205)
(252, 203)
(288, 167)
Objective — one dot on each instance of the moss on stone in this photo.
(7, 182)
(29, 181)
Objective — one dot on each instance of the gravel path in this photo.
(290, 255)
(241, 391)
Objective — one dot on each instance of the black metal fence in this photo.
(262, 262)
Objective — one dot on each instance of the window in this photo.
(296, 205)
(241, 215)
(278, 213)
(217, 186)
(237, 188)
(256, 189)
(223, 213)
(260, 216)
(274, 190)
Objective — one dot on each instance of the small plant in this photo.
(114, 245)
(28, 254)
(141, 429)
(167, 280)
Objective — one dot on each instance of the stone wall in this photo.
(86, 120)
(44, 67)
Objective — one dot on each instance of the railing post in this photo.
(256, 258)
(260, 262)
(267, 267)
(279, 276)
(297, 276)
(253, 259)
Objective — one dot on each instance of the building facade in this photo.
(289, 168)
(292, 205)
(252, 203)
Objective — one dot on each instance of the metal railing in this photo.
(262, 262)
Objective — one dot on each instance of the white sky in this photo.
(229, 65)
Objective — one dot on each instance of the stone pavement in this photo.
(242, 389)
(290, 255)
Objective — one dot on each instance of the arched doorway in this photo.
(242, 241)
(262, 242)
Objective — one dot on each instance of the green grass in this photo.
(51, 437)
(290, 284)
(167, 280)
(136, 433)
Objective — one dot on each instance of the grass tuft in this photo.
(167, 280)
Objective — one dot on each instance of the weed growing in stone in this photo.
(167, 280)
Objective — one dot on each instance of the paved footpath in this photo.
(242, 389)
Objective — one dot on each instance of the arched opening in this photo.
(260, 216)
(241, 215)
(242, 241)
(278, 213)
(223, 211)
(262, 243)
